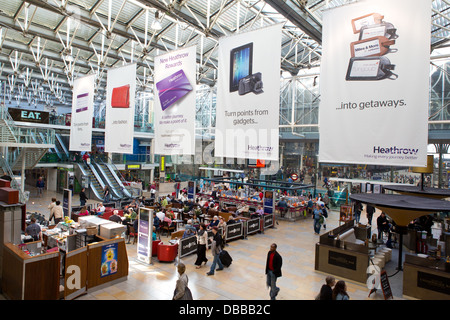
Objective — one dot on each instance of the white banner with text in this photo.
(248, 95)
(374, 83)
(82, 114)
(174, 102)
(120, 103)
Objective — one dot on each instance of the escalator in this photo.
(116, 187)
(61, 147)
(96, 184)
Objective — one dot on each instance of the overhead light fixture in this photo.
(156, 24)
(69, 58)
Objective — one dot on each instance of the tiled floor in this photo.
(245, 278)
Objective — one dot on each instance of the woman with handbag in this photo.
(182, 291)
(202, 242)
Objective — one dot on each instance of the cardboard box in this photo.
(90, 231)
(5, 183)
(111, 230)
(9, 195)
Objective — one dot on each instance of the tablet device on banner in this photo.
(241, 59)
(248, 95)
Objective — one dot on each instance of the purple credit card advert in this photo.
(173, 88)
(82, 102)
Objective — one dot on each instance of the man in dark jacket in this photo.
(370, 211)
(273, 270)
(326, 292)
(83, 197)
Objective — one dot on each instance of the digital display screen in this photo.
(240, 64)
(143, 215)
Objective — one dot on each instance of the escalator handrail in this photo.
(118, 176)
(91, 184)
(110, 184)
(58, 138)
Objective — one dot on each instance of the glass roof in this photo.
(71, 38)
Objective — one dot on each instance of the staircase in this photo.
(6, 133)
(24, 147)
(6, 170)
(31, 156)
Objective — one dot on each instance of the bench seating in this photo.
(349, 236)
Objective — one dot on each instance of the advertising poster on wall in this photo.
(109, 260)
(145, 230)
(82, 114)
(174, 104)
(374, 83)
(120, 101)
(248, 95)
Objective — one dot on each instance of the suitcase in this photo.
(225, 258)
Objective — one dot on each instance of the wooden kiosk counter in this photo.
(58, 274)
(28, 277)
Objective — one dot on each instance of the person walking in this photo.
(326, 292)
(202, 243)
(317, 215)
(83, 197)
(358, 209)
(40, 185)
(182, 291)
(273, 270)
(106, 194)
(340, 291)
(216, 247)
(51, 206)
(370, 211)
(57, 212)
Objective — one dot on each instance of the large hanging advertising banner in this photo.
(174, 103)
(82, 114)
(120, 100)
(374, 83)
(248, 95)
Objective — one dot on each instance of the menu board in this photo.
(346, 213)
(385, 286)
